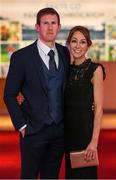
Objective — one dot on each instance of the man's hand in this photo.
(23, 132)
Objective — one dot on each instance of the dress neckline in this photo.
(84, 64)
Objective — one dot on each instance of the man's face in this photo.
(48, 28)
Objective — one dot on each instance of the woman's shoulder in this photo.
(95, 65)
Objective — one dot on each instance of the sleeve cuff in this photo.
(23, 127)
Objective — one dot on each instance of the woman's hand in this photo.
(90, 151)
(20, 98)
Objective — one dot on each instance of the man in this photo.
(39, 74)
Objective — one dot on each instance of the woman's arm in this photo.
(98, 101)
(98, 106)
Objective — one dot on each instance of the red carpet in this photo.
(107, 154)
(10, 157)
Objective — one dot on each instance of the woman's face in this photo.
(78, 46)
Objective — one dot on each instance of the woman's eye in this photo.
(73, 41)
(83, 42)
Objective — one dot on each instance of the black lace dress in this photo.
(79, 115)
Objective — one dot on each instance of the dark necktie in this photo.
(52, 64)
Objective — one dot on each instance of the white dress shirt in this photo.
(43, 52)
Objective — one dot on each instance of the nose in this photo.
(77, 45)
(50, 26)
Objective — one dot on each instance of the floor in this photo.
(10, 155)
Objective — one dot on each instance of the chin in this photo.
(76, 57)
(51, 40)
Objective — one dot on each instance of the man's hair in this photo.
(47, 11)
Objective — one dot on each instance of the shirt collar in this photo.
(44, 47)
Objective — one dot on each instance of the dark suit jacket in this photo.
(26, 75)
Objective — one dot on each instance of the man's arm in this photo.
(14, 82)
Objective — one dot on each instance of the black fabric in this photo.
(52, 64)
(42, 152)
(78, 113)
(26, 76)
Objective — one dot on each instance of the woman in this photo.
(84, 87)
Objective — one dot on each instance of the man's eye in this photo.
(53, 22)
(45, 23)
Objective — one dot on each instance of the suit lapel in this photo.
(38, 65)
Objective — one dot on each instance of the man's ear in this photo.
(59, 28)
(37, 27)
